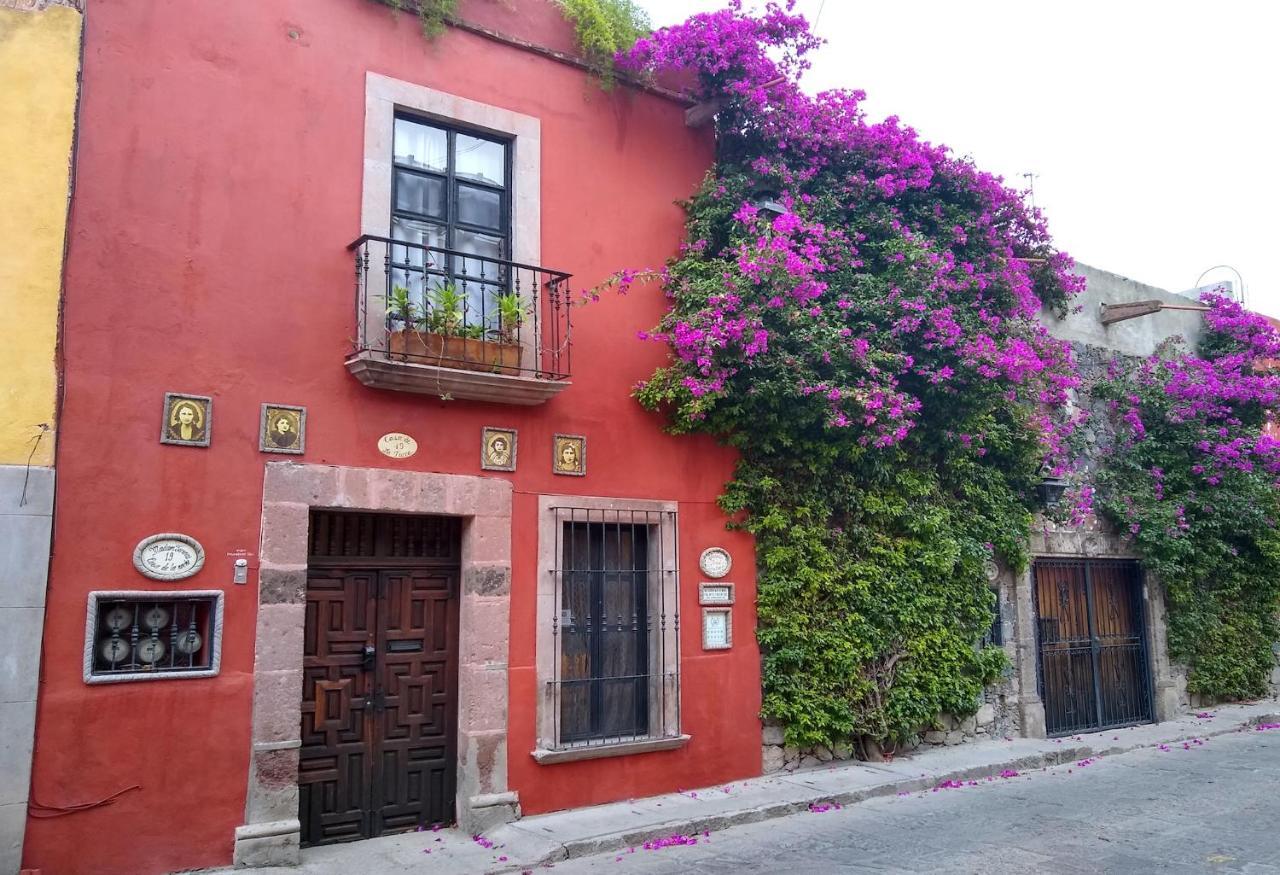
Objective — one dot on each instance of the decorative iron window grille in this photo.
(142, 635)
(994, 636)
(615, 627)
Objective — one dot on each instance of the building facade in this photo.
(358, 526)
(39, 66)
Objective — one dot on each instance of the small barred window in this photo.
(139, 635)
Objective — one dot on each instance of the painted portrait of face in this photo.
(569, 455)
(283, 429)
(186, 420)
(498, 449)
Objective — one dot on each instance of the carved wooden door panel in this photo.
(379, 702)
(417, 713)
(335, 768)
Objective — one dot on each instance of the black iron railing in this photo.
(434, 306)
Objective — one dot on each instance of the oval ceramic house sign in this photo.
(397, 446)
(168, 556)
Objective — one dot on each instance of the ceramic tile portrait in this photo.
(282, 429)
(188, 420)
(569, 455)
(498, 449)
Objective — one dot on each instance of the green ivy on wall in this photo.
(433, 14)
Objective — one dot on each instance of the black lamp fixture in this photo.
(1050, 489)
(764, 197)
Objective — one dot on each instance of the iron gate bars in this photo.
(1093, 669)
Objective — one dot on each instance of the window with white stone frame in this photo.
(608, 628)
(445, 171)
(143, 635)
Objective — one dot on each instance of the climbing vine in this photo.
(432, 14)
(604, 28)
(1192, 479)
(856, 310)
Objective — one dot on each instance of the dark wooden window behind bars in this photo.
(604, 649)
(616, 626)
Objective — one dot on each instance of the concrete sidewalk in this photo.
(535, 841)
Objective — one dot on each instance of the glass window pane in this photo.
(479, 206)
(480, 244)
(423, 233)
(419, 194)
(421, 145)
(479, 159)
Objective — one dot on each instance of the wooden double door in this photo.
(379, 701)
(1094, 672)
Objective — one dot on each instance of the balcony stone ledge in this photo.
(378, 372)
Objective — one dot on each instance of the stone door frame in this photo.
(1169, 683)
(270, 834)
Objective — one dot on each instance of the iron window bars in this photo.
(615, 627)
(143, 635)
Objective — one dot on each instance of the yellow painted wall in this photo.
(39, 62)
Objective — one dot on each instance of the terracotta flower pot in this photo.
(451, 351)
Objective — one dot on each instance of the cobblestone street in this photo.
(1207, 807)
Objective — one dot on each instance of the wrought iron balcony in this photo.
(458, 324)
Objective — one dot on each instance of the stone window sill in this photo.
(546, 757)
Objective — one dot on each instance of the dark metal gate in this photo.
(380, 676)
(1090, 627)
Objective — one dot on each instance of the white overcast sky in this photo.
(1152, 127)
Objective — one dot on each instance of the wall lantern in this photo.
(766, 201)
(1050, 490)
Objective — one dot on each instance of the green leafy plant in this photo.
(604, 28)
(510, 316)
(402, 308)
(1192, 480)
(868, 339)
(445, 310)
(432, 14)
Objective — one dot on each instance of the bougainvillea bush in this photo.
(856, 310)
(1192, 479)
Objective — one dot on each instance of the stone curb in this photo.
(624, 839)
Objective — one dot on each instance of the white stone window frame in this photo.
(384, 97)
(96, 597)
(549, 749)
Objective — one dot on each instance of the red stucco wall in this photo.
(219, 175)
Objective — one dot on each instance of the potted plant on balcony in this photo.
(441, 337)
(504, 349)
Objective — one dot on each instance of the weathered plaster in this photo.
(39, 66)
(271, 830)
(1138, 336)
